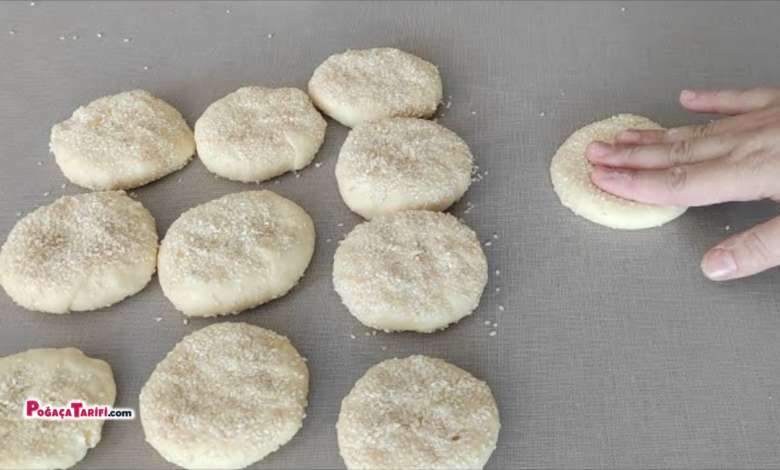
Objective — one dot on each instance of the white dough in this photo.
(258, 133)
(418, 413)
(235, 253)
(398, 164)
(122, 141)
(410, 271)
(365, 85)
(53, 377)
(225, 397)
(80, 253)
(570, 171)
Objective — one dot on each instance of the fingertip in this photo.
(719, 264)
(628, 137)
(687, 96)
(596, 151)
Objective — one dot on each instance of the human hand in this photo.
(733, 159)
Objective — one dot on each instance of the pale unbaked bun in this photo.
(410, 271)
(369, 84)
(398, 164)
(570, 171)
(80, 253)
(235, 253)
(418, 413)
(53, 377)
(225, 397)
(258, 133)
(122, 141)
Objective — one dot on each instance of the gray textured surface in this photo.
(613, 350)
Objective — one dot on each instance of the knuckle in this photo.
(759, 248)
(676, 178)
(680, 152)
(705, 130)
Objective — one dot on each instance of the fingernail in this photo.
(628, 137)
(719, 264)
(598, 149)
(687, 95)
(602, 174)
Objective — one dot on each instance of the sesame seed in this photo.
(498, 289)
(186, 322)
(126, 40)
(12, 32)
(228, 11)
(622, 8)
(64, 185)
(75, 36)
(495, 325)
(62, 38)
(367, 333)
(270, 35)
(487, 322)
(493, 333)
(46, 194)
(728, 227)
(498, 272)
(158, 319)
(40, 163)
(373, 333)
(352, 336)
(473, 112)
(318, 164)
(501, 308)
(384, 348)
(488, 243)
(328, 240)
(341, 224)
(495, 236)
(541, 114)
(18, 214)
(100, 35)
(32, 4)
(146, 67)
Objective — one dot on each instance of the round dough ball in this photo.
(235, 253)
(225, 397)
(55, 377)
(399, 164)
(418, 412)
(80, 253)
(570, 171)
(410, 271)
(258, 133)
(122, 141)
(370, 84)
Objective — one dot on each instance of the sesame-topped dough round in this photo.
(410, 271)
(225, 397)
(570, 171)
(418, 412)
(257, 133)
(398, 164)
(54, 377)
(365, 85)
(235, 253)
(79, 253)
(122, 141)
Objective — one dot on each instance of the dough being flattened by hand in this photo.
(80, 253)
(418, 413)
(122, 141)
(53, 377)
(398, 164)
(235, 253)
(365, 85)
(257, 133)
(410, 271)
(570, 171)
(225, 397)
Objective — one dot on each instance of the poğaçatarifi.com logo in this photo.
(75, 410)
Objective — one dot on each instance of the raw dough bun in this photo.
(400, 164)
(122, 141)
(225, 397)
(418, 412)
(80, 253)
(410, 271)
(258, 133)
(570, 171)
(235, 253)
(370, 84)
(54, 377)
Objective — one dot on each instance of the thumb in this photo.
(745, 254)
